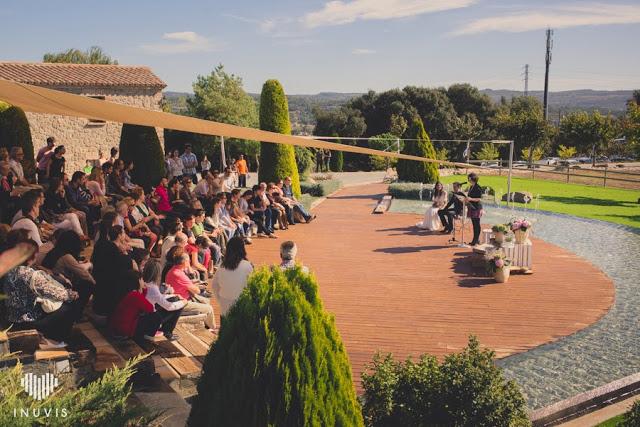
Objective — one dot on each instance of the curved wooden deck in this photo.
(395, 289)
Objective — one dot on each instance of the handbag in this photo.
(48, 305)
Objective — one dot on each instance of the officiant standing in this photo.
(474, 206)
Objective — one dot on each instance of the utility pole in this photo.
(526, 80)
(546, 72)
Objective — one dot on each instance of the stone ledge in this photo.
(586, 402)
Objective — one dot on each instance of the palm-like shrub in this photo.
(277, 161)
(141, 145)
(15, 132)
(415, 171)
(467, 389)
(278, 360)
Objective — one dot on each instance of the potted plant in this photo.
(499, 232)
(521, 228)
(499, 266)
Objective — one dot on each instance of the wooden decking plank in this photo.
(192, 344)
(185, 366)
(204, 335)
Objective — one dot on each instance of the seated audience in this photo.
(288, 252)
(31, 295)
(81, 199)
(15, 163)
(176, 277)
(141, 212)
(261, 214)
(58, 211)
(287, 192)
(28, 216)
(231, 277)
(134, 316)
(168, 305)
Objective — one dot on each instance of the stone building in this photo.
(129, 85)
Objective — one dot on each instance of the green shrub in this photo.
(100, 403)
(415, 171)
(410, 190)
(141, 145)
(278, 360)
(276, 160)
(15, 132)
(337, 161)
(305, 160)
(467, 389)
(632, 418)
(321, 188)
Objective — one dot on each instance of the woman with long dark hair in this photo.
(231, 278)
(474, 206)
(431, 220)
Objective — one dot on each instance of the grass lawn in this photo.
(612, 422)
(606, 204)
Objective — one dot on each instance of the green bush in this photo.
(15, 132)
(103, 402)
(321, 188)
(278, 360)
(632, 418)
(410, 190)
(276, 160)
(415, 171)
(467, 389)
(305, 160)
(337, 161)
(141, 145)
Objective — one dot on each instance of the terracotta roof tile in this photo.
(48, 74)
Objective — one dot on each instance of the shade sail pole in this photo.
(223, 157)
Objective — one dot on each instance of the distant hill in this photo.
(301, 106)
(605, 101)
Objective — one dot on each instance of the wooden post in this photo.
(606, 166)
(568, 172)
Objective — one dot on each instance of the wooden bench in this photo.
(383, 205)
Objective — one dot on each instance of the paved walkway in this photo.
(395, 289)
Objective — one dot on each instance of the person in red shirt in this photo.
(134, 316)
(162, 195)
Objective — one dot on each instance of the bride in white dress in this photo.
(431, 219)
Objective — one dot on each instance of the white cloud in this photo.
(182, 42)
(563, 16)
(363, 51)
(345, 12)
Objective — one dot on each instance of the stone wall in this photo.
(82, 137)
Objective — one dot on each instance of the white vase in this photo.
(521, 236)
(502, 275)
(498, 236)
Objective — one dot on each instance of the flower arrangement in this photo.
(500, 228)
(522, 224)
(497, 262)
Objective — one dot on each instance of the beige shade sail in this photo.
(37, 99)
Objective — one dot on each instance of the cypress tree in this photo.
(414, 171)
(337, 158)
(278, 360)
(15, 132)
(276, 160)
(141, 145)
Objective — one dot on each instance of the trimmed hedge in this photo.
(416, 171)
(276, 160)
(141, 145)
(278, 360)
(410, 190)
(15, 132)
(321, 188)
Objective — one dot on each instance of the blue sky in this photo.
(345, 45)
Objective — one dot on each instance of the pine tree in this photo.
(277, 161)
(15, 132)
(414, 171)
(141, 145)
(278, 360)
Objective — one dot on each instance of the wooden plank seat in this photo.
(383, 205)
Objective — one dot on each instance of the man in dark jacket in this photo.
(453, 208)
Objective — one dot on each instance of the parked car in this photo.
(568, 162)
(583, 159)
(548, 161)
(493, 164)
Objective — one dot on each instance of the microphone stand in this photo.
(462, 244)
